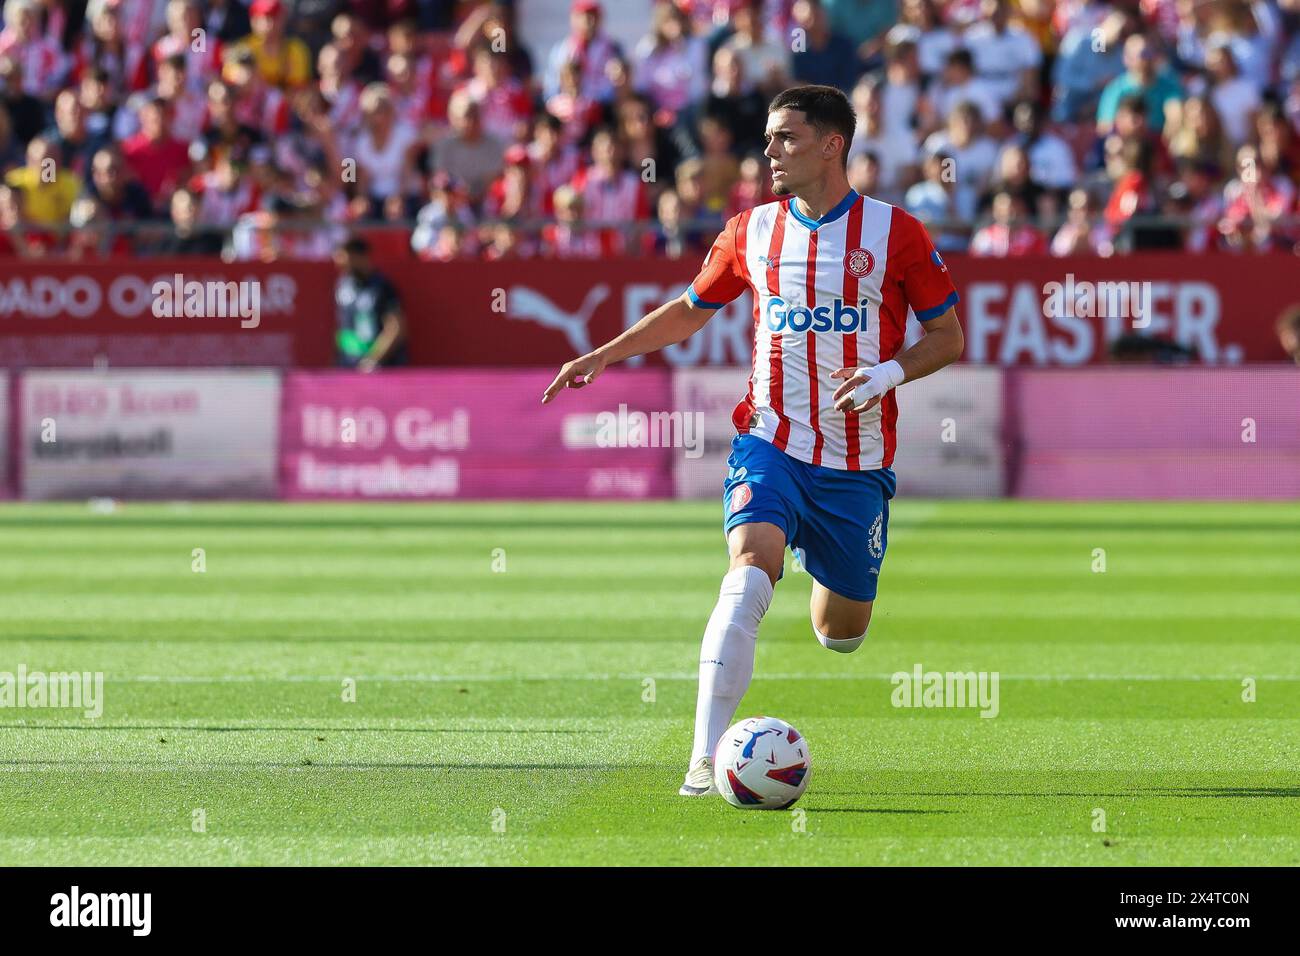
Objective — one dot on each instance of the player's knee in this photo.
(838, 641)
(754, 559)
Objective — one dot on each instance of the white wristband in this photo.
(879, 379)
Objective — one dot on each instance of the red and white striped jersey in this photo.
(829, 293)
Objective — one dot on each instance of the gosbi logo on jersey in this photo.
(835, 316)
(859, 262)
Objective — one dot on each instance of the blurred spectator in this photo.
(504, 104)
(26, 114)
(820, 54)
(931, 200)
(1051, 161)
(157, 160)
(42, 62)
(586, 47)
(1128, 165)
(283, 61)
(1254, 202)
(122, 200)
(568, 237)
(75, 144)
(959, 84)
(578, 111)
(371, 325)
(1144, 77)
(765, 59)
(669, 64)
(897, 156)
(1202, 203)
(719, 167)
(671, 237)
(730, 98)
(753, 188)
(901, 99)
(1010, 233)
(934, 40)
(864, 174)
(384, 150)
(187, 237)
(973, 156)
(201, 54)
(1235, 98)
(555, 162)
(47, 189)
(1088, 59)
(447, 206)
(611, 193)
(1006, 57)
(469, 155)
(226, 20)
(1193, 132)
(1080, 234)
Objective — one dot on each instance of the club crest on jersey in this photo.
(740, 496)
(859, 262)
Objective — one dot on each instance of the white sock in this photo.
(727, 654)
(845, 645)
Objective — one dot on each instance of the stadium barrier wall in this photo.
(1115, 433)
(539, 314)
(471, 434)
(106, 312)
(544, 313)
(1153, 433)
(184, 433)
(950, 432)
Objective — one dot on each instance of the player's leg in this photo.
(840, 623)
(759, 501)
(843, 536)
(757, 553)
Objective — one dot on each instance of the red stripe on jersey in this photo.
(893, 327)
(852, 240)
(744, 412)
(811, 283)
(775, 358)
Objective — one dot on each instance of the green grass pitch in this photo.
(533, 704)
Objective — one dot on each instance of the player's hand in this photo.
(863, 388)
(575, 374)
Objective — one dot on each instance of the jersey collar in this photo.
(843, 206)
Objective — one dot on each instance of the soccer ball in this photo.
(761, 763)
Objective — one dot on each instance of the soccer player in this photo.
(833, 275)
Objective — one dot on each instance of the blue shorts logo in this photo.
(875, 539)
(834, 317)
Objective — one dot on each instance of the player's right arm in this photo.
(669, 324)
(719, 282)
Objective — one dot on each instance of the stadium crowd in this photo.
(269, 130)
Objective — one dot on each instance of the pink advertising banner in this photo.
(421, 435)
(1152, 433)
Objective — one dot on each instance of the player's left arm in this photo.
(941, 345)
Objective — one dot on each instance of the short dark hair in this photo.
(826, 109)
(356, 246)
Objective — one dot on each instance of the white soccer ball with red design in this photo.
(761, 763)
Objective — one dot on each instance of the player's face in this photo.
(796, 154)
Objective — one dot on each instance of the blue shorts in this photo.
(837, 521)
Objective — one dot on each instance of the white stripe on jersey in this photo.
(833, 245)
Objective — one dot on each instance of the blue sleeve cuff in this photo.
(700, 303)
(925, 315)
